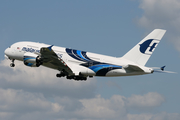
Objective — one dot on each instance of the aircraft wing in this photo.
(51, 59)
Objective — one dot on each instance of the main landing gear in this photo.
(63, 74)
(12, 64)
(77, 78)
(60, 75)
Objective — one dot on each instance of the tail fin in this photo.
(141, 53)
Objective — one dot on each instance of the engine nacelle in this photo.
(30, 59)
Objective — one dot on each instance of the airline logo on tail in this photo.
(148, 46)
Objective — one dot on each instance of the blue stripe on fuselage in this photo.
(80, 55)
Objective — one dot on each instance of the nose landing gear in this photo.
(12, 64)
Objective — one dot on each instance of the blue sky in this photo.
(105, 27)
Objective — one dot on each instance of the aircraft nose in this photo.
(7, 52)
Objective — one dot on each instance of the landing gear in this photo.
(38, 61)
(80, 78)
(63, 74)
(60, 75)
(77, 78)
(12, 64)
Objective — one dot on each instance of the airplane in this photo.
(79, 65)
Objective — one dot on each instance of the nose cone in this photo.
(8, 52)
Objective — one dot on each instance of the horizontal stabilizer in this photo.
(160, 71)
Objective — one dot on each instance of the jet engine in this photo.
(31, 60)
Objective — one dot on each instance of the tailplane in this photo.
(141, 53)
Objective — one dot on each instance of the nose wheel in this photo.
(12, 64)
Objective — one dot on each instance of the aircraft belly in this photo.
(122, 72)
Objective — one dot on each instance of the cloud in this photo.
(165, 116)
(43, 80)
(35, 93)
(149, 100)
(162, 14)
(18, 101)
(20, 105)
(104, 108)
(117, 106)
(158, 116)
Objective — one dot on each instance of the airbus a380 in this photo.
(78, 65)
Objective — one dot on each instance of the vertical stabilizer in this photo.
(141, 53)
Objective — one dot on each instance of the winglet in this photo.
(50, 47)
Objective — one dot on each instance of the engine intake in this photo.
(30, 59)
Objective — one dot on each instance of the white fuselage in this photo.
(75, 59)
